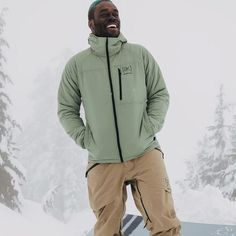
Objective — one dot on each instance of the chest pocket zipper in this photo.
(120, 83)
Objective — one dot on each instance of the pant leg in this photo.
(152, 195)
(107, 197)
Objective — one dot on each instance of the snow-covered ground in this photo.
(207, 206)
(32, 222)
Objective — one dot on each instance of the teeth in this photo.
(111, 26)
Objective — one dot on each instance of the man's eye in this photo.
(107, 15)
(103, 14)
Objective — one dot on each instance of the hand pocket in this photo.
(87, 136)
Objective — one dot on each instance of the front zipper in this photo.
(120, 83)
(113, 102)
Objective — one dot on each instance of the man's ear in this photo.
(91, 25)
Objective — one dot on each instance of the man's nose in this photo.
(111, 17)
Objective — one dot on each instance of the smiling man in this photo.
(125, 102)
(105, 21)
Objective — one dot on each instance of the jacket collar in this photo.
(98, 44)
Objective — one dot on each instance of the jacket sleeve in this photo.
(69, 101)
(157, 94)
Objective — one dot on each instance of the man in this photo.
(125, 101)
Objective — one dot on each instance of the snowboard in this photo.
(133, 225)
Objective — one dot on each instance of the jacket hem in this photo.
(153, 146)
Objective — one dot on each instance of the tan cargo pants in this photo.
(150, 189)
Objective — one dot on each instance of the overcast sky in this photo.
(192, 40)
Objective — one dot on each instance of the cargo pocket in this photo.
(169, 199)
(167, 184)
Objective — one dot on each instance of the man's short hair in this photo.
(93, 6)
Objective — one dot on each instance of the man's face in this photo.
(106, 22)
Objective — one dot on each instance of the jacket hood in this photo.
(98, 44)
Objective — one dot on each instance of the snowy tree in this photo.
(11, 172)
(229, 188)
(232, 149)
(215, 163)
(210, 162)
(57, 160)
(49, 199)
(218, 138)
(197, 167)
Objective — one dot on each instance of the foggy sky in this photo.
(193, 41)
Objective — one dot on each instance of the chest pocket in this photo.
(130, 84)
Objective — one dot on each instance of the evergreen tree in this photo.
(232, 149)
(48, 202)
(229, 187)
(215, 163)
(217, 160)
(56, 158)
(11, 172)
(198, 168)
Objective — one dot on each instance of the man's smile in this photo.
(112, 26)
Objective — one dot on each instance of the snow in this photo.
(15, 182)
(32, 222)
(82, 222)
(1, 161)
(206, 206)
(49, 199)
(230, 168)
(16, 164)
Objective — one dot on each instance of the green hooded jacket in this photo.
(124, 97)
